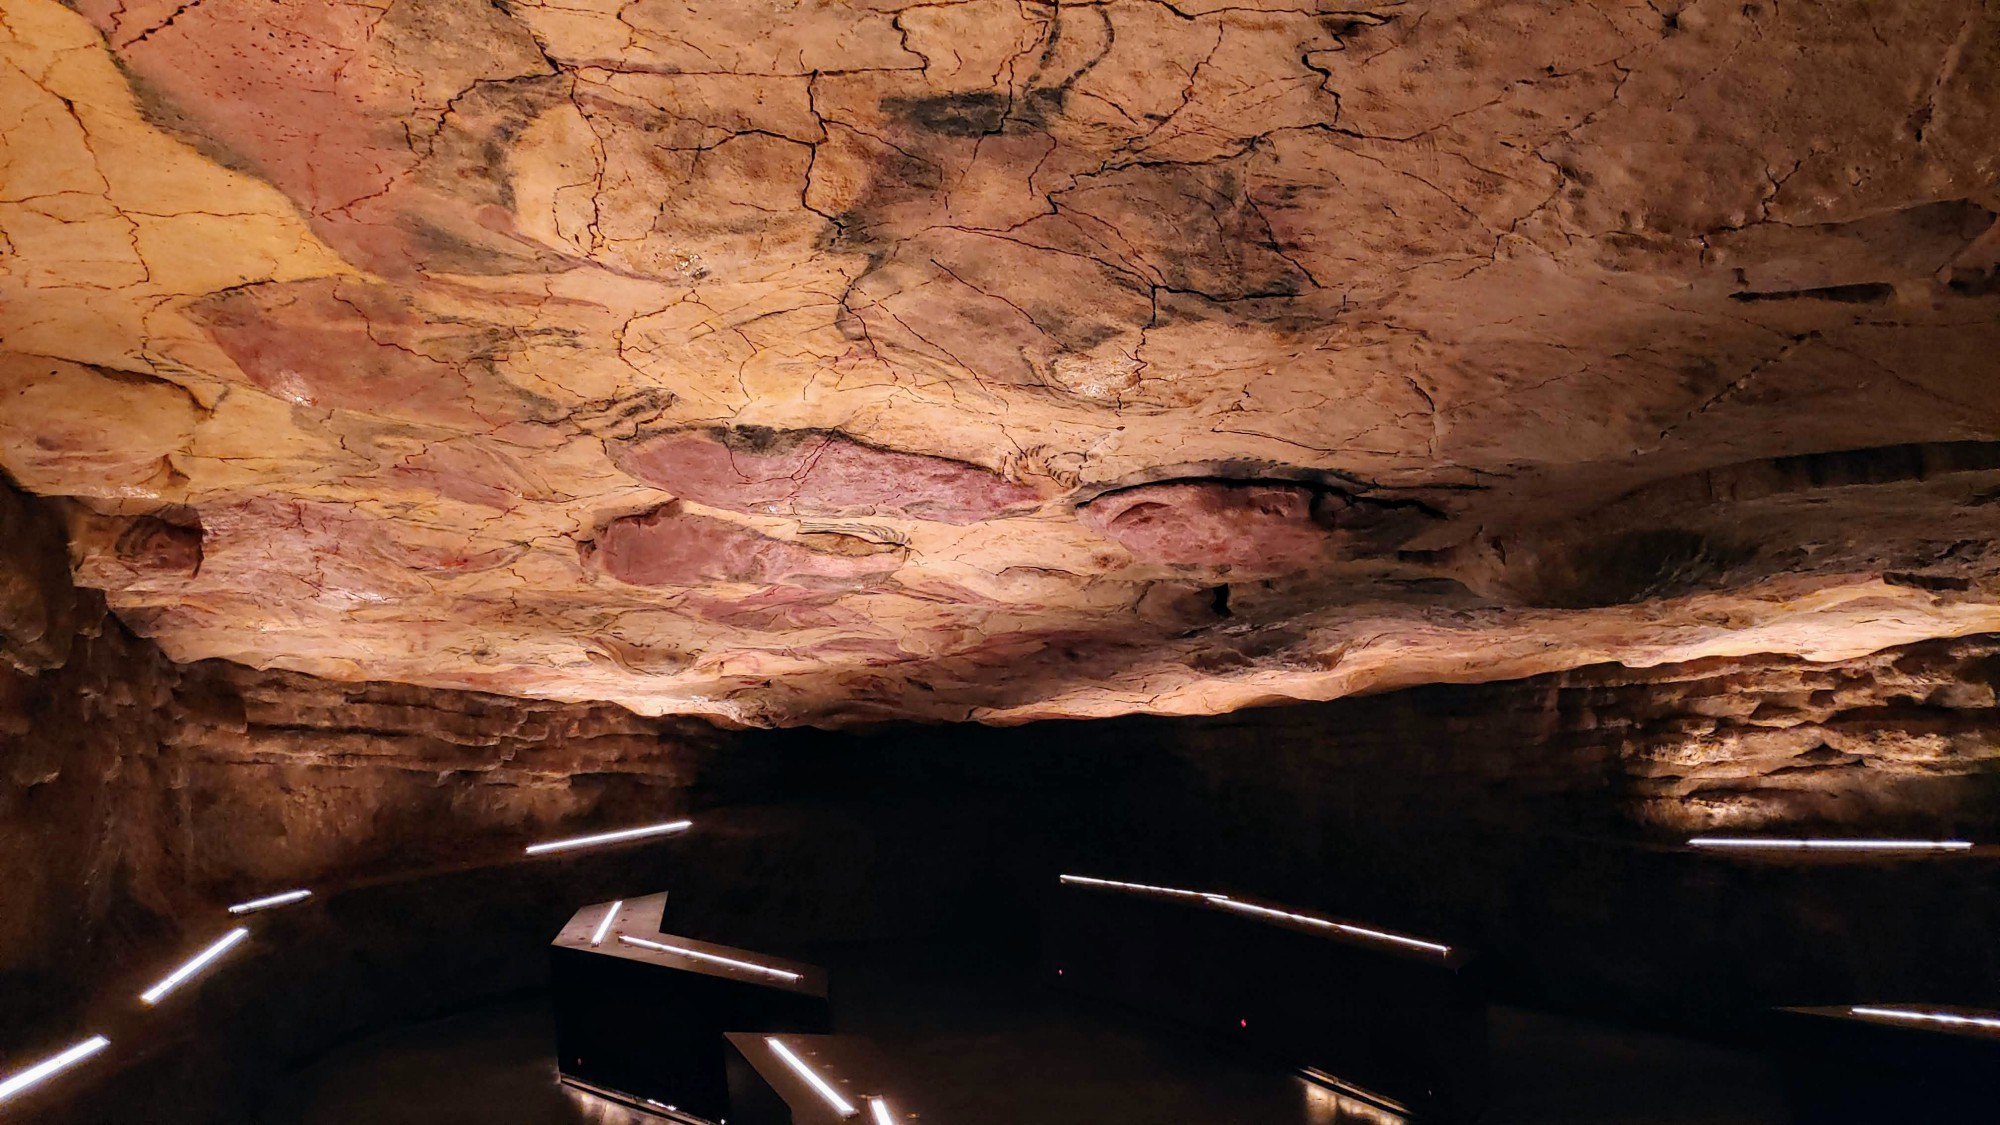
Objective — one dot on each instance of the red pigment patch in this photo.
(287, 85)
(778, 608)
(451, 561)
(668, 547)
(472, 472)
(343, 345)
(279, 550)
(312, 97)
(813, 473)
(1258, 527)
(875, 652)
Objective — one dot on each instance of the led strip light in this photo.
(700, 956)
(1343, 927)
(878, 1108)
(604, 927)
(1830, 844)
(1948, 1019)
(51, 1066)
(840, 1105)
(1087, 881)
(193, 965)
(611, 837)
(256, 904)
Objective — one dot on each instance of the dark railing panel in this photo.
(1400, 1018)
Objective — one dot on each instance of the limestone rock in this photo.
(818, 363)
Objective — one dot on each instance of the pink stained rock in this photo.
(1259, 527)
(331, 103)
(337, 345)
(1637, 366)
(817, 473)
(669, 547)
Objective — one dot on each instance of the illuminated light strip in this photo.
(1830, 844)
(878, 1108)
(700, 956)
(611, 837)
(840, 1105)
(194, 965)
(50, 1067)
(1946, 1018)
(1343, 927)
(256, 904)
(1087, 881)
(604, 927)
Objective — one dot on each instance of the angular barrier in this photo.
(1391, 1018)
(641, 1014)
(1888, 1062)
(810, 1080)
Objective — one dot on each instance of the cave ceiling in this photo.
(823, 361)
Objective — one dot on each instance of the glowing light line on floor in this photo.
(840, 1105)
(52, 1066)
(878, 1108)
(256, 904)
(1817, 844)
(1342, 927)
(700, 956)
(1087, 881)
(604, 927)
(194, 965)
(1948, 1019)
(611, 837)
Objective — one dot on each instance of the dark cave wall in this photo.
(1537, 821)
(82, 721)
(1906, 741)
(138, 786)
(1542, 822)
(138, 797)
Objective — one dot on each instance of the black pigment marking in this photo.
(1866, 293)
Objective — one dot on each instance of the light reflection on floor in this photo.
(1331, 1107)
(493, 1066)
(593, 1110)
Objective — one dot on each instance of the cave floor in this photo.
(1005, 1050)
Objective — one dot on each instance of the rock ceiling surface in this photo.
(816, 361)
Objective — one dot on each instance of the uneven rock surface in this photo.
(1536, 819)
(1901, 742)
(834, 360)
(136, 793)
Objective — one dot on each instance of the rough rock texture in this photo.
(1533, 820)
(1906, 741)
(818, 474)
(134, 787)
(1541, 822)
(137, 794)
(1006, 360)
